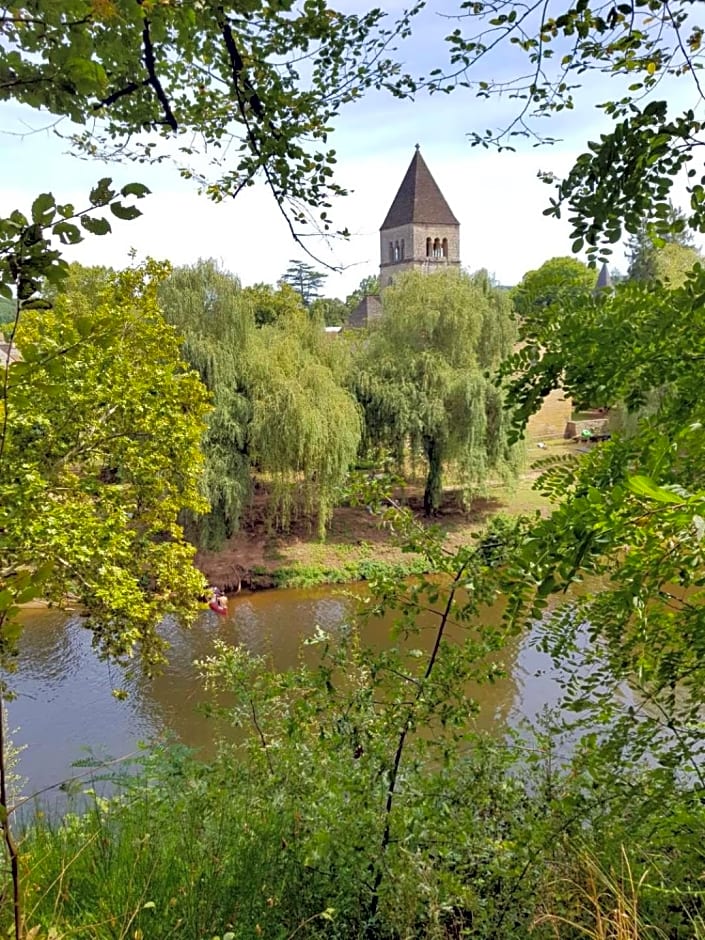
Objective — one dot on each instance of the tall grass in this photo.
(599, 904)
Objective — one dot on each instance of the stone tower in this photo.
(420, 231)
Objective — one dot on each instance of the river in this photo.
(64, 708)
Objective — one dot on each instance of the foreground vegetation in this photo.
(497, 844)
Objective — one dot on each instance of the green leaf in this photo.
(126, 213)
(68, 233)
(644, 486)
(84, 325)
(135, 189)
(96, 226)
(102, 192)
(43, 209)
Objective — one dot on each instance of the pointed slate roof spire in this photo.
(604, 278)
(419, 199)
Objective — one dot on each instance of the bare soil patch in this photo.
(251, 556)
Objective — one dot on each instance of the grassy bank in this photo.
(357, 542)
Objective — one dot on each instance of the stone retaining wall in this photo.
(596, 425)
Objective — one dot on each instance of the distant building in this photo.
(368, 310)
(604, 278)
(419, 233)
(8, 354)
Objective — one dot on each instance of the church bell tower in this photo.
(419, 232)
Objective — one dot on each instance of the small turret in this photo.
(604, 278)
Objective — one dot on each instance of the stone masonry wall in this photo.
(596, 425)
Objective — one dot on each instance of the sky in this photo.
(497, 197)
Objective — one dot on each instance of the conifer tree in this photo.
(305, 279)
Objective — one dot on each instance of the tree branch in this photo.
(153, 80)
(121, 93)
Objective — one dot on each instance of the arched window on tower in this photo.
(391, 251)
(396, 251)
(402, 249)
(428, 247)
(436, 248)
(444, 247)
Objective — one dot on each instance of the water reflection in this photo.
(64, 702)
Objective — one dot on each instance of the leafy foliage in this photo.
(206, 305)
(102, 423)
(329, 310)
(422, 376)
(358, 800)
(674, 262)
(550, 283)
(627, 175)
(268, 303)
(631, 510)
(280, 410)
(156, 72)
(7, 310)
(306, 427)
(646, 260)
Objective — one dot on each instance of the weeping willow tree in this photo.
(280, 410)
(424, 378)
(306, 427)
(205, 303)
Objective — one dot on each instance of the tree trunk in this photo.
(434, 481)
(10, 844)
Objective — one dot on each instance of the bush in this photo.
(284, 833)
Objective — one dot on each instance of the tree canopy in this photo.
(204, 75)
(669, 258)
(306, 426)
(268, 304)
(631, 510)
(205, 304)
(280, 412)
(556, 279)
(628, 174)
(100, 453)
(422, 377)
(330, 311)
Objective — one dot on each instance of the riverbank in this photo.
(357, 543)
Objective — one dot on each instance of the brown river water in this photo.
(64, 708)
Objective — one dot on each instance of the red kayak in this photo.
(217, 609)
